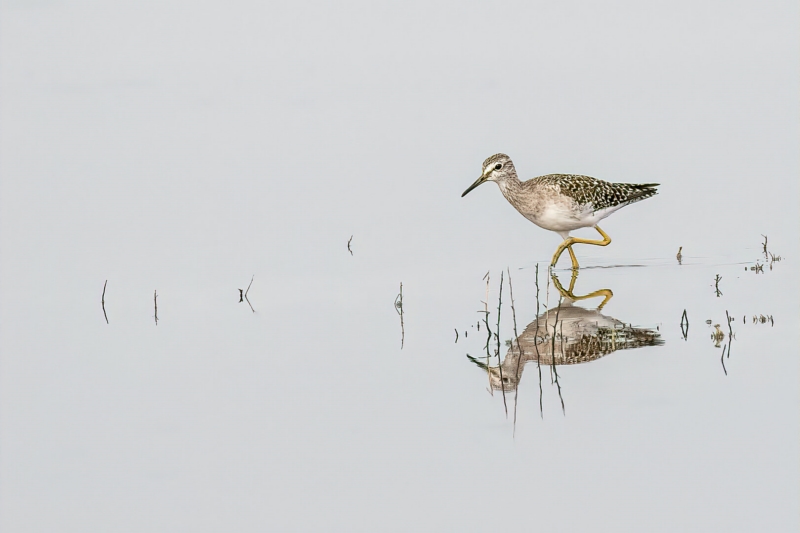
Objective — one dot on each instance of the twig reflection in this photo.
(685, 325)
(243, 294)
(398, 306)
(103, 301)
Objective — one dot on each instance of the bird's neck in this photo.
(509, 186)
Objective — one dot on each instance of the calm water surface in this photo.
(185, 149)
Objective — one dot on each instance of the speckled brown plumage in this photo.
(561, 202)
(588, 191)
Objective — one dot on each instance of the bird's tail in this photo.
(636, 192)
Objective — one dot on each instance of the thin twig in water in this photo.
(488, 354)
(486, 277)
(716, 285)
(348, 245)
(722, 359)
(103, 301)
(155, 304)
(519, 349)
(456, 334)
(398, 306)
(553, 356)
(536, 344)
(685, 325)
(245, 294)
(241, 295)
(497, 335)
(730, 333)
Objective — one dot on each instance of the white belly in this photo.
(561, 218)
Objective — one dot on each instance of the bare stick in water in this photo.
(348, 245)
(553, 352)
(155, 305)
(730, 333)
(685, 325)
(497, 335)
(519, 348)
(103, 301)
(245, 294)
(722, 359)
(398, 306)
(486, 277)
(536, 344)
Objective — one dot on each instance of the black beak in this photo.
(477, 182)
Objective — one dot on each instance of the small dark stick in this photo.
(497, 336)
(456, 334)
(685, 325)
(241, 295)
(536, 345)
(245, 294)
(519, 348)
(348, 245)
(553, 352)
(155, 304)
(103, 301)
(398, 306)
(730, 333)
(722, 358)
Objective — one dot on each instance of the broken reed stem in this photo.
(685, 325)
(553, 356)
(155, 305)
(547, 316)
(245, 294)
(348, 245)
(497, 335)
(730, 333)
(103, 301)
(402, 325)
(536, 344)
(519, 349)
(722, 358)
(488, 330)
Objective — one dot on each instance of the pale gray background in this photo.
(186, 146)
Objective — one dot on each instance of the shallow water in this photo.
(187, 151)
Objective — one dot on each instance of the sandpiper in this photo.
(562, 202)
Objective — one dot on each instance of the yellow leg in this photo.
(575, 265)
(605, 293)
(567, 244)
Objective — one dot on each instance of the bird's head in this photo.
(497, 168)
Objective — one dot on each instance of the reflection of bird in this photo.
(562, 202)
(581, 335)
(717, 336)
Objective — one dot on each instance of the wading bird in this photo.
(562, 202)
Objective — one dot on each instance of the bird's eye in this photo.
(498, 166)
